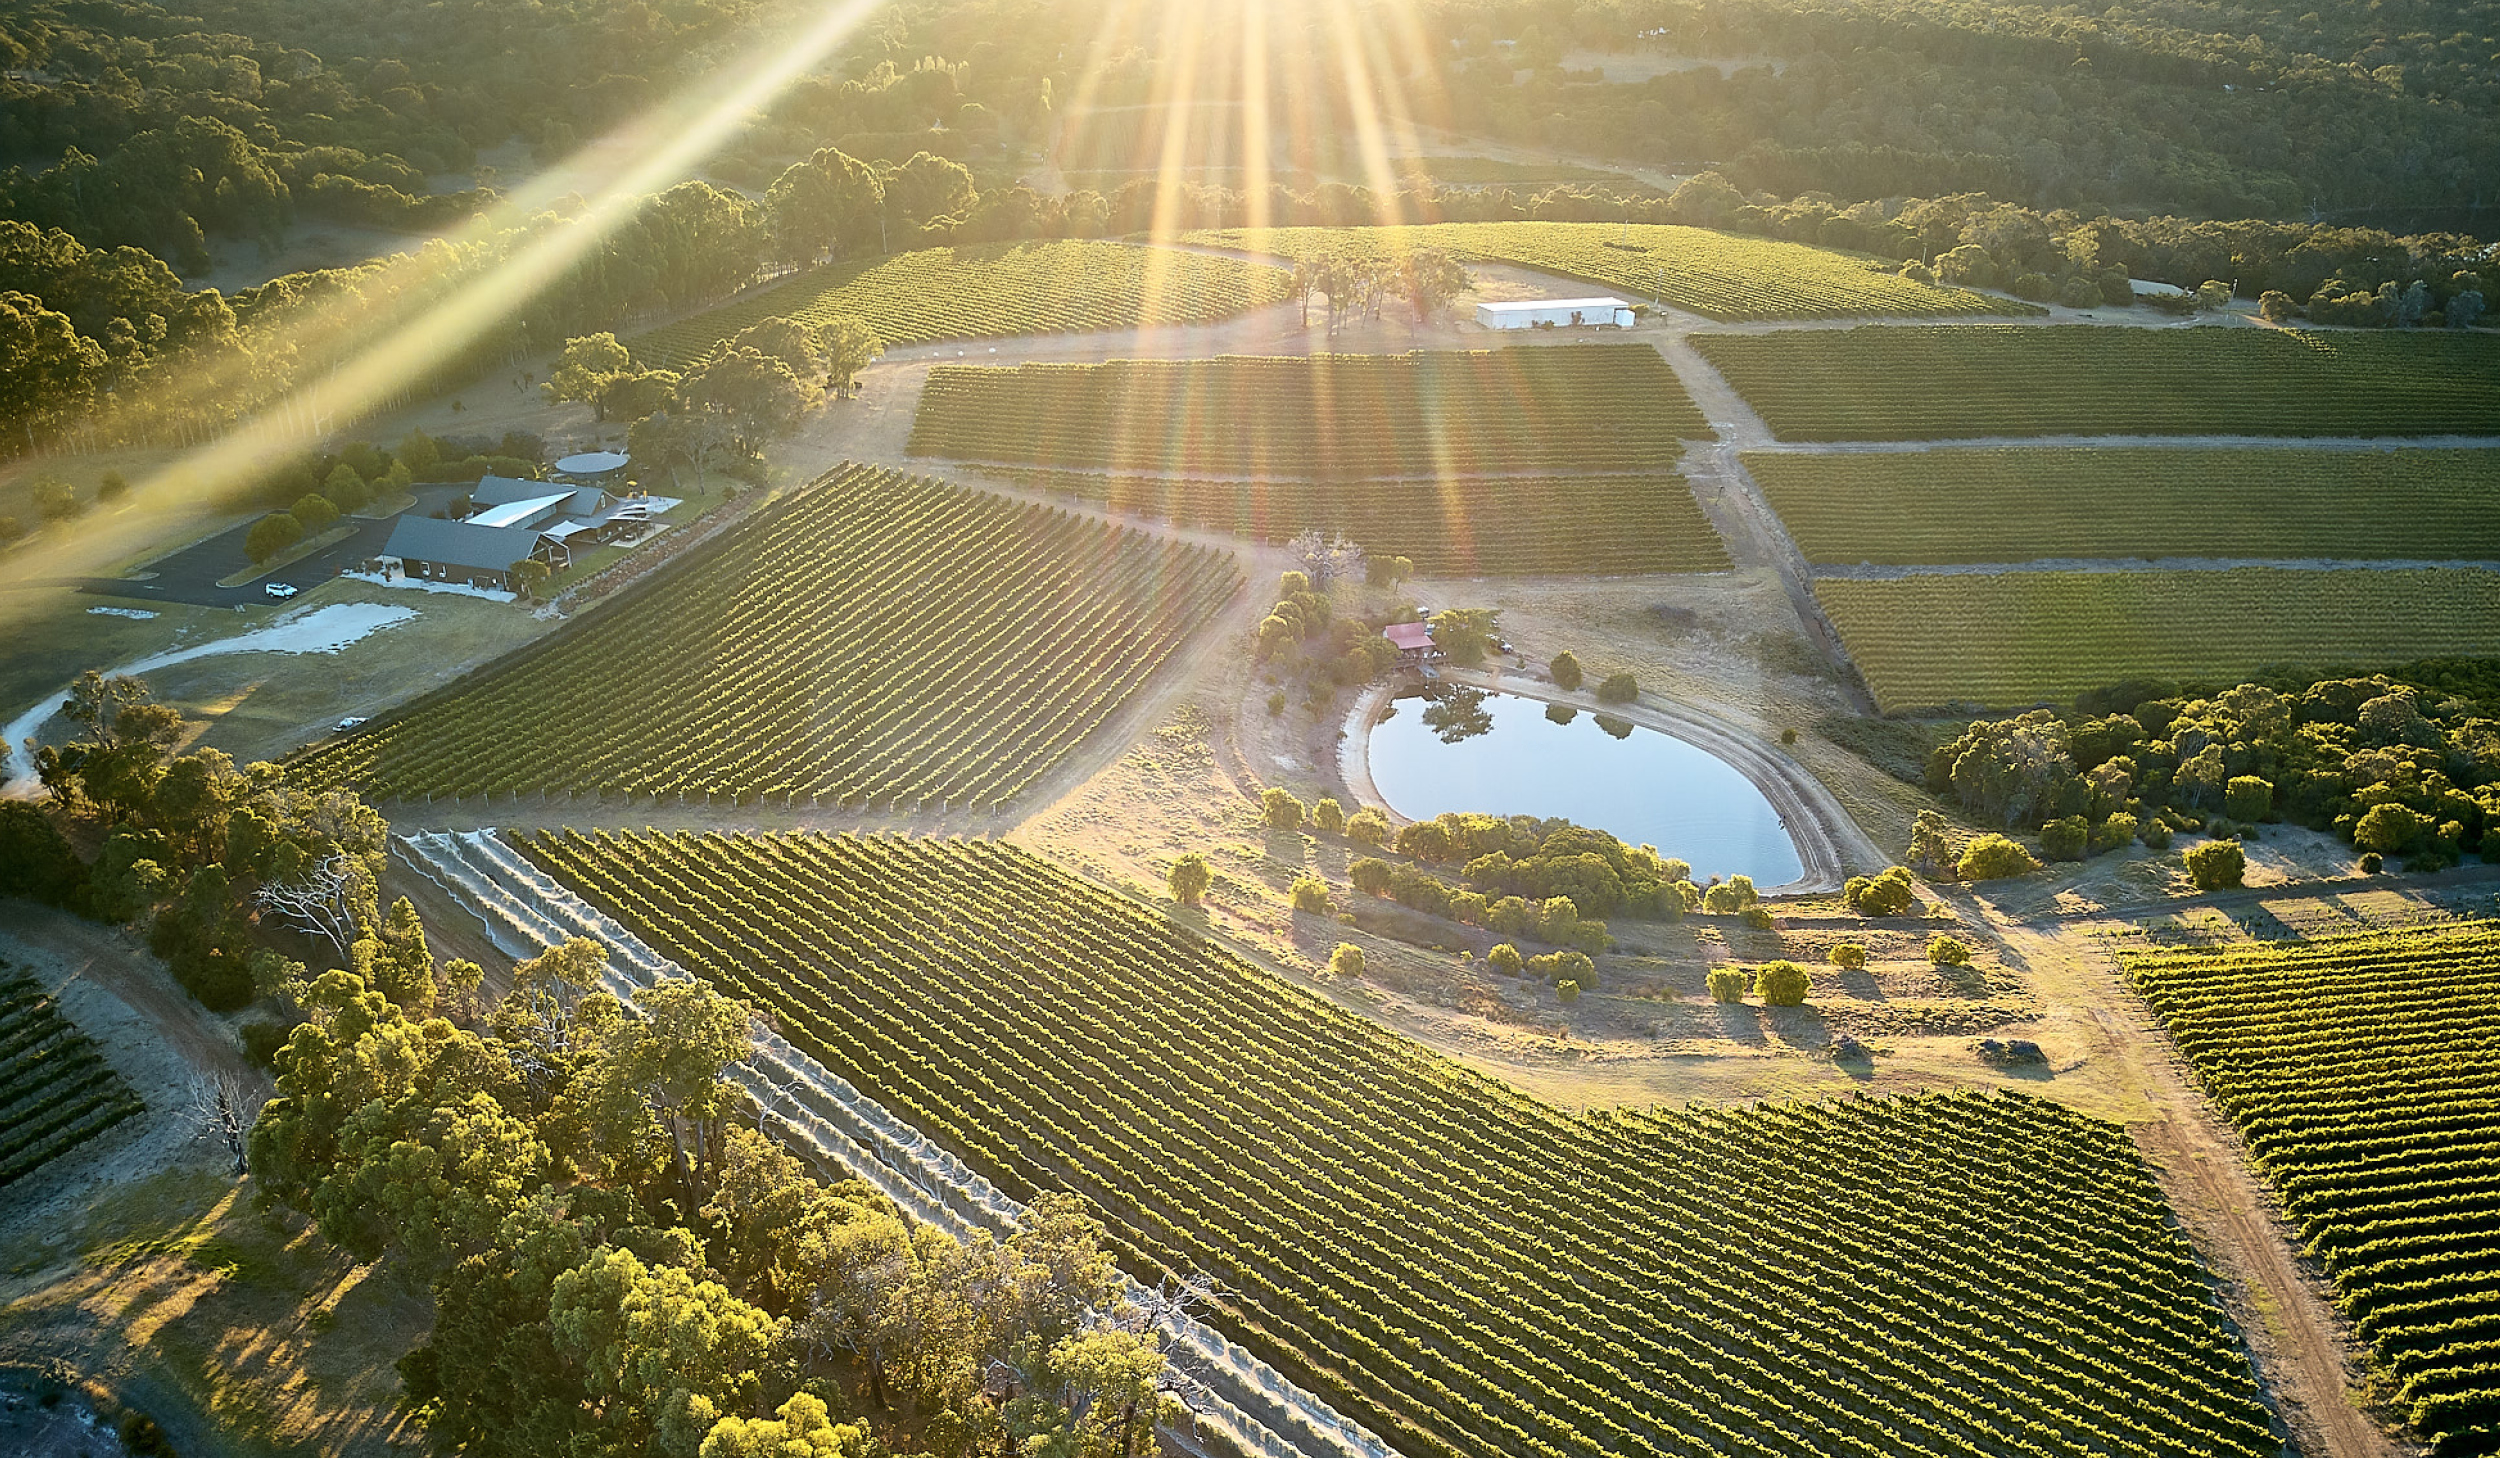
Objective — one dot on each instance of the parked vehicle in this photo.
(280, 590)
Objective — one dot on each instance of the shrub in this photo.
(112, 486)
(1310, 894)
(2217, 865)
(262, 1038)
(11, 529)
(1887, 894)
(56, 499)
(1371, 875)
(1190, 878)
(1759, 918)
(1560, 967)
(2389, 828)
(1346, 961)
(1276, 703)
(1727, 985)
(36, 860)
(1947, 951)
(2154, 834)
(271, 535)
(1847, 956)
(1566, 669)
(1505, 959)
(1729, 896)
(1328, 815)
(1993, 858)
(1368, 827)
(2372, 863)
(1780, 984)
(2066, 838)
(1568, 990)
(2117, 832)
(1279, 809)
(1619, 688)
(313, 513)
(2247, 797)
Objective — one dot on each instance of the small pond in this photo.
(1468, 750)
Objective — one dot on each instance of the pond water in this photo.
(1467, 750)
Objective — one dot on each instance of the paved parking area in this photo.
(190, 575)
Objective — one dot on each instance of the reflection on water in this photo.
(1505, 755)
(1458, 713)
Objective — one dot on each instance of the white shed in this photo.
(1558, 313)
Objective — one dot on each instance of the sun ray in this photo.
(611, 176)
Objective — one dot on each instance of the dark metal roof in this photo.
(458, 544)
(504, 490)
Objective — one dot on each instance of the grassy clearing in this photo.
(232, 1328)
(2018, 505)
(1529, 410)
(1468, 527)
(1730, 277)
(2359, 1069)
(1927, 383)
(2011, 639)
(986, 292)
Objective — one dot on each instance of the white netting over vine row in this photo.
(526, 911)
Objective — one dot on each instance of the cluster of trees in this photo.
(1522, 855)
(1358, 283)
(1572, 973)
(717, 415)
(2265, 116)
(157, 128)
(2086, 260)
(1554, 919)
(2395, 768)
(623, 1264)
(191, 847)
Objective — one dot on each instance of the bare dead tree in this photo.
(1163, 1311)
(1325, 559)
(221, 1110)
(322, 904)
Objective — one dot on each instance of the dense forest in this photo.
(2053, 153)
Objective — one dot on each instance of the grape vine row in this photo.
(882, 639)
(985, 293)
(1523, 410)
(1468, 527)
(1730, 277)
(2013, 639)
(2020, 504)
(2364, 1072)
(1460, 1268)
(56, 1090)
(1932, 382)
